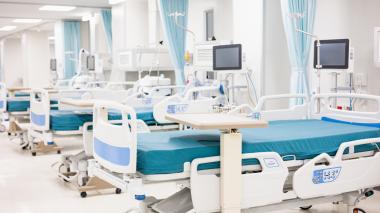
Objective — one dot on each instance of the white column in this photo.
(12, 66)
(248, 31)
(36, 57)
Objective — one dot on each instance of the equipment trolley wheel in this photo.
(358, 210)
(34, 153)
(83, 194)
(118, 191)
(304, 208)
(58, 151)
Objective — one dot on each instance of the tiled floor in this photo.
(30, 185)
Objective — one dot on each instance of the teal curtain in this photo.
(299, 14)
(72, 37)
(175, 35)
(107, 23)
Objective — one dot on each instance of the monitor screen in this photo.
(227, 57)
(91, 63)
(333, 54)
(53, 64)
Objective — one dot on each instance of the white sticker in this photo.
(271, 162)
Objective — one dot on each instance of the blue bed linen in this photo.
(21, 104)
(166, 152)
(71, 120)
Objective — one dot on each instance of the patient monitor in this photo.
(333, 54)
(227, 57)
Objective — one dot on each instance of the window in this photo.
(209, 16)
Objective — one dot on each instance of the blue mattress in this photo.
(68, 120)
(166, 152)
(21, 104)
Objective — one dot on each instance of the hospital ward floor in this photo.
(30, 185)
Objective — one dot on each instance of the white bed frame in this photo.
(77, 164)
(345, 178)
(193, 101)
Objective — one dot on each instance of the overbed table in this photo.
(230, 150)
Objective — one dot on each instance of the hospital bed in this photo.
(301, 160)
(74, 168)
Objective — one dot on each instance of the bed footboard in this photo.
(40, 110)
(115, 146)
(326, 176)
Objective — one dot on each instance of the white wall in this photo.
(129, 30)
(13, 66)
(35, 57)
(248, 31)
(276, 64)
(223, 20)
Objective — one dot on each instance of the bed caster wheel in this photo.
(24, 147)
(58, 151)
(358, 210)
(83, 194)
(34, 153)
(118, 191)
(304, 208)
(9, 134)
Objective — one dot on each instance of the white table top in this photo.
(215, 121)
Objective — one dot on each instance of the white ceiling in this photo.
(11, 9)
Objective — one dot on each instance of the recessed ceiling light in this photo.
(8, 28)
(27, 20)
(115, 1)
(57, 8)
(51, 38)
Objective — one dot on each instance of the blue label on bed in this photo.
(177, 108)
(256, 115)
(326, 175)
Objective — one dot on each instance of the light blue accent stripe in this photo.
(37, 119)
(116, 155)
(1, 104)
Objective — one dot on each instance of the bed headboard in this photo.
(290, 113)
(186, 103)
(40, 109)
(344, 115)
(115, 146)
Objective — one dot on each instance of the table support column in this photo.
(231, 167)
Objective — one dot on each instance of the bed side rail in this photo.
(326, 110)
(3, 97)
(40, 109)
(264, 186)
(290, 113)
(347, 171)
(115, 146)
(187, 103)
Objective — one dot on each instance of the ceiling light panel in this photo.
(27, 20)
(8, 28)
(57, 8)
